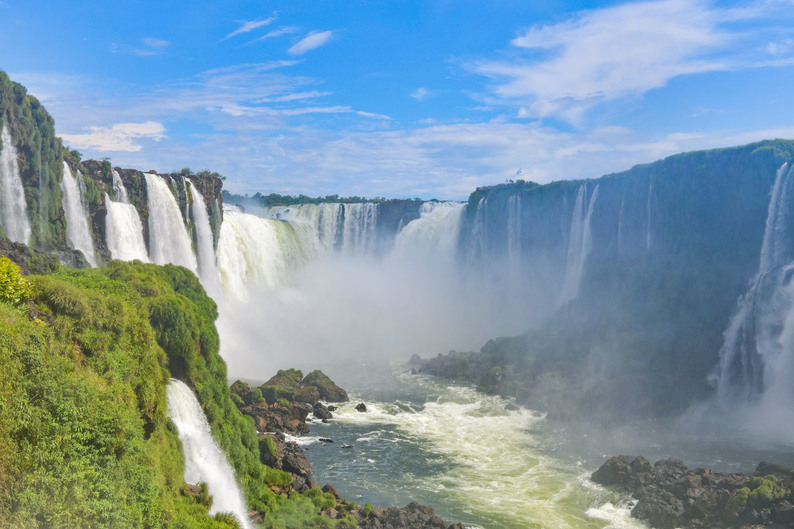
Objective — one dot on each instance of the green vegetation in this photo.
(275, 199)
(40, 155)
(14, 288)
(84, 436)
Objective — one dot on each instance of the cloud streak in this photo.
(246, 26)
(310, 42)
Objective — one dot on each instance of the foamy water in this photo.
(461, 452)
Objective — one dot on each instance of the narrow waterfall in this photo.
(123, 226)
(514, 232)
(480, 231)
(169, 241)
(204, 460)
(256, 251)
(208, 269)
(360, 225)
(434, 235)
(13, 209)
(756, 356)
(78, 229)
(579, 244)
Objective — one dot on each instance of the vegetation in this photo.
(275, 199)
(84, 436)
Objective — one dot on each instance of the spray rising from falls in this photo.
(579, 244)
(208, 270)
(123, 227)
(433, 235)
(169, 241)
(757, 357)
(204, 460)
(78, 231)
(13, 209)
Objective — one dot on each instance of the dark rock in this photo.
(361, 407)
(321, 412)
(326, 388)
(330, 489)
(325, 440)
(347, 446)
(331, 407)
(512, 407)
(308, 395)
(660, 509)
(289, 418)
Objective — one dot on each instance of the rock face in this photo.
(670, 495)
(413, 515)
(277, 417)
(277, 452)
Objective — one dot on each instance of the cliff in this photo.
(637, 274)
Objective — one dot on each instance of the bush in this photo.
(14, 288)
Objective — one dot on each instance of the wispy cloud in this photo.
(119, 137)
(310, 42)
(246, 26)
(287, 30)
(151, 46)
(420, 94)
(601, 55)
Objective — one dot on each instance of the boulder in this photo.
(361, 407)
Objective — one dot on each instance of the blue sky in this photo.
(402, 98)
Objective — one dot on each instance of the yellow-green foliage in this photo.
(14, 287)
(765, 491)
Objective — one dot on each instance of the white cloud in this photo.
(117, 137)
(420, 94)
(288, 30)
(312, 41)
(247, 26)
(779, 48)
(151, 46)
(609, 53)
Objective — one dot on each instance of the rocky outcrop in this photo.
(669, 495)
(279, 417)
(277, 452)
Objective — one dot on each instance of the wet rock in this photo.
(290, 417)
(361, 407)
(321, 412)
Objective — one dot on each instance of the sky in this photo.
(402, 98)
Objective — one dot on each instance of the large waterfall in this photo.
(78, 231)
(757, 358)
(433, 235)
(204, 460)
(579, 244)
(13, 209)
(169, 241)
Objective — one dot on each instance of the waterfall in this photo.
(326, 219)
(208, 270)
(433, 235)
(359, 229)
(480, 230)
(756, 356)
(261, 251)
(204, 460)
(119, 191)
(169, 241)
(124, 232)
(13, 209)
(514, 232)
(78, 229)
(579, 244)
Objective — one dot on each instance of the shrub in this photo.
(14, 288)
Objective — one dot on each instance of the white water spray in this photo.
(13, 209)
(434, 235)
(514, 233)
(78, 230)
(168, 238)
(204, 460)
(579, 244)
(123, 226)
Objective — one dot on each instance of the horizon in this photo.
(403, 100)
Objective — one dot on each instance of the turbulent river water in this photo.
(461, 452)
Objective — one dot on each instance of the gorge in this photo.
(659, 293)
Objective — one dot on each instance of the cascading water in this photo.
(13, 209)
(204, 460)
(123, 227)
(579, 244)
(169, 241)
(208, 269)
(434, 234)
(756, 363)
(359, 229)
(256, 251)
(78, 231)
